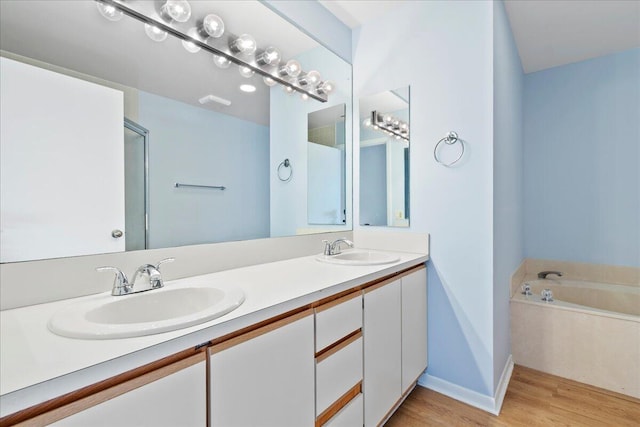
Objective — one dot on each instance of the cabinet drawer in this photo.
(349, 416)
(335, 321)
(338, 373)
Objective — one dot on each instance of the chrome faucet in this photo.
(121, 285)
(146, 277)
(544, 274)
(334, 248)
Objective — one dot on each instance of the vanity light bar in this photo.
(378, 122)
(207, 47)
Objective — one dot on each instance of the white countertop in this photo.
(37, 365)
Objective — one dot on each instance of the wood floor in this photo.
(533, 399)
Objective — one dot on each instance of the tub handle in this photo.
(526, 289)
(547, 295)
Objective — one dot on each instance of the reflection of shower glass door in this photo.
(136, 142)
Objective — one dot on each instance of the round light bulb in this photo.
(270, 56)
(304, 96)
(155, 33)
(245, 71)
(367, 122)
(325, 88)
(109, 12)
(176, 10)
(221, 61)
(292, 68)
(191, 46)
(288, 89)
(212, 26)
(404, 126)
(387, 119)
(244, 44)
(311, 78)
(269, 81)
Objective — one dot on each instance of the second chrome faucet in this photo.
(333, 248)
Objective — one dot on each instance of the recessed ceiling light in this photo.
(247, 88)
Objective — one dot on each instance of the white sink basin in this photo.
(359, 257)
(145, 313)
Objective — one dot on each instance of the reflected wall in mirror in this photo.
(326, 166)
(201, 127)
(384, 159)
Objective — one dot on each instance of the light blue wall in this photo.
(288, 136)
(582, 151)
(196, 146)
(373, 185)
(315, 20)
(443, 50)
(508, 200)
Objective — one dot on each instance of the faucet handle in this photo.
(163, 261)
(327, 247)
(121, 284)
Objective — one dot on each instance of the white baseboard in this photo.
(470, 397)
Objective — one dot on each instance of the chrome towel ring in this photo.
(285, 164)
(450, 139)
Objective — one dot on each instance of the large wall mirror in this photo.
(384, 159)
(117, 136)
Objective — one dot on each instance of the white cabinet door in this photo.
(176, 399)
(382, 351)
(61, 165)
(265, 378)
(414, 327)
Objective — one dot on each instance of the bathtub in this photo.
(589, 333)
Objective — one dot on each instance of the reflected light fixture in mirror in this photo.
(109, 12)
(221, 61)
(189, 46)
(240, 50)
(385, 159)
(176, 10)
(211, 26)
(388, 124)
(155, 33)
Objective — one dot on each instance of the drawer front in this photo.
(349, 416)
(338, 321)
(338, 373)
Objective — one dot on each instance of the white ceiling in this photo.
(548, 33)
(553, 33)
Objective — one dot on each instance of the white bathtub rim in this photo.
(567, 306)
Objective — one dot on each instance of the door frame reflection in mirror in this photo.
(326, 166)
(385, 158)
(346, 89)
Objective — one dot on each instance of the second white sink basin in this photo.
(359, 257)
(145, 313)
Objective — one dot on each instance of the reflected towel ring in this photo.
(450, 139)
(287, 164)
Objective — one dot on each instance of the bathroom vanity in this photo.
(313, 344)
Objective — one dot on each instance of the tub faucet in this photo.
(334, 248)
(544, 274)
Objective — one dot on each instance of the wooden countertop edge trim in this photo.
(68, 398)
